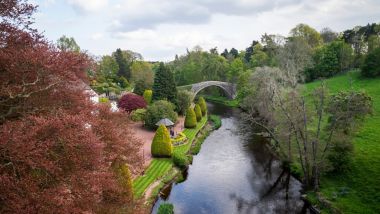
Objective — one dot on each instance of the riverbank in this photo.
(222, 100)
(159, 170)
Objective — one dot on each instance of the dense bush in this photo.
(203, 105)
(198, 112)
(190, 119)
(371, 65)
(130, 102)
(180, 160)
(166, 208)
(340, 156)
(329, 60)
(148, 96)
(159, 110)
(184, 100)
(138, 114)
(161, 144)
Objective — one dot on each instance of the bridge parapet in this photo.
(229, 88)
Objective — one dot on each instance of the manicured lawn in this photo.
(160, 166)
(157, 168)
(363, 181)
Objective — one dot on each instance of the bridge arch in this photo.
(229, 88)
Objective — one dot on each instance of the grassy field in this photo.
(160, 166)
(362, 183)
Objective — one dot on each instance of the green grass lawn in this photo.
(363, 181)
(222, 100)
(160, 166)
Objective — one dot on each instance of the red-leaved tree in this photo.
(59, 153)
(130, 102)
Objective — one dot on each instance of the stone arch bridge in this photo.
(227, 87)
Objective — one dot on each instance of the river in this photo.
(233, 173)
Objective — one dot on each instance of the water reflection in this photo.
(234, 173)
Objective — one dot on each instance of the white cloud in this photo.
(88, 6)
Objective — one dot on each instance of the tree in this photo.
(184, 100)
(108, 69)
(148, 96)
(198, 112)
(307, 33)
(249, 51)
(141, 86)
(259, 57)
(159, 110)
(56, 146)
(130, 102)
(236, 68)
(142, 71)
(328, 35)
(124, 67)
(234, 53)
(281, 110)
(371, 65)
(203, 105)
(68, 44)
(164, 86)
(161, 144)
(190, 119)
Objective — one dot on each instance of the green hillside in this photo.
(357, 191)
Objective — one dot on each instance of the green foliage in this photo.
(166, 208)
(138, 114)
(103, 100)
(340, 156)
(159, 110)
(68, 44)
(181, 161)
(203, 105)
(329, 60)
(161, 144)
(197, 66)
(371, 65)
(259, 58)
(198, 112)
(236, 68)
(191, 118)
(363, 177)
(223, 100)
(184, 100)
(309, 34)
(148, 96)
(215, 119)
(124, 66)
(164, 86)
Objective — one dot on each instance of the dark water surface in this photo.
(233, 173)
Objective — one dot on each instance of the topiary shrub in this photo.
(157, 111)
(138, 114)
(203, 105)
(148, 96)
(180, 160)
(198, 112)
(161, 144)
(124, 178)
(190, 119)
(166, 208)
(371, 65)
(130, 102)
(103, 100)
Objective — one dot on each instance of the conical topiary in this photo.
(191, 118)
(162, 145)
(148, 96)
(203, 105)
(198, 112)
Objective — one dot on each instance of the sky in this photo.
(160, 29)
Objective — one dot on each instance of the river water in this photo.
(233, 173)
